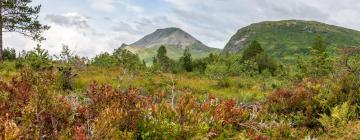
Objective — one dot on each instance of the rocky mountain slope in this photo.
(174, 39)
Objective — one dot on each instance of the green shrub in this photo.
(37, 59)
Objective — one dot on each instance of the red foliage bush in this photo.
(286, 101)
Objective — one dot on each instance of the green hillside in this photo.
(173, 52)
(289, 38)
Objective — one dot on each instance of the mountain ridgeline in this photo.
(284, 40)
(290, 38)
(174, 39)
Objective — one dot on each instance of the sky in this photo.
(90, 27)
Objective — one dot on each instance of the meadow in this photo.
(235, 96)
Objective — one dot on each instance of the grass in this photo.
(7, 70)
(249, 90)
(241, 88)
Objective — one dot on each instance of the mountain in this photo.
(289, 38)
(174, 39)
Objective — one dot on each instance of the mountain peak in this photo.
(174, 39)
(170, 29)
(171, 36)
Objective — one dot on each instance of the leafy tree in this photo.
(19, 16)
(186, 60)
(199, 65)
(127, 59)
(218, 71)
(252, 51)
(265, 62)
(250, 68)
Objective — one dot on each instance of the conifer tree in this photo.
(320, 64)
(186, 60)
(252, 51)
(19, 16)
(162, 60)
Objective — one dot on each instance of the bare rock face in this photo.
(167, 37)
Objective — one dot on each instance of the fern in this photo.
(338, 118)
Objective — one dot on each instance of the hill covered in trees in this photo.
(290, 38)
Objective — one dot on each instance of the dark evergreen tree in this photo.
(161, 54)
(263, 61)
(144, 63)
(186, 60)
(320, 63)
(319, 45)
(9, 54)
(162, 60)
(252, 51)
(21, 17)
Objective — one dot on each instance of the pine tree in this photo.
(320, 64)
(19, 16)
(9, 54)
(186, 60)
(144, 63)
(161, 54)
(319, 45)
(252, 51)
(263, 61)
(162, 60)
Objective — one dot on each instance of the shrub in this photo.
(286, 101)
(9, 54)
(104, 60)
(66, 78)
(38, 59)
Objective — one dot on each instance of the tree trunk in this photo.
(1, 41)
(1, 34)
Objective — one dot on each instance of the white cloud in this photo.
(72, 29)
(111, 5)
(103, 5)
(211, 21)
(130, 7)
